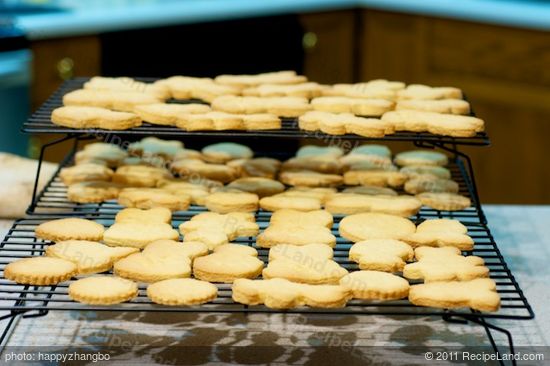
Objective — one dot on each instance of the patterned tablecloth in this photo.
(522, 233)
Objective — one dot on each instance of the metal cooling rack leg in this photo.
(40, 159)
(8, 329)
(488, 329)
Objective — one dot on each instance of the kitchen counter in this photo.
(80, 18)
(521, 232)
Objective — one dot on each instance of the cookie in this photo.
(125, 84)
(146, 198)
(421, 157)
(371, 149)
(89, 256)
(357, 106)
(313, 150)
(441, 233)
(448, 106)
(111, 154)
(350, 203)
(415, 171)
(181, 292)
(187, 154)
(304, 265)
(225, 202)
(227, 265)
(342, 123)
(225, 151)
(424, 92)
(444, 201)
(306, 178)
(429, 183)
(82, 117)
(196, 192)
(317, 163)
(375, 285)
(138, 234)
(278, 106)
(211, 121)
(290, 233)
(320, 193)
(370, 190)
(260, 186)
(103, 290)
(40, 271)
(69, 229)
(302, 253)
(385, 255)
(153, 215)
(208, 226)
(194, 169)
(374, 177)
(444, 264)
(436, 123)
(140, 175)
(366, 226)
(355, 161)
(360, 90)
(277, 77)
(93, 192)
(124, 101)
(300, 218)
(257, 167)
(283, 201)
(479, 294)
(305, 90)
(153, 146)
(208, 91)
(168, 114)
(85, 173)
(182, 87)
(160, 260)
(278, 293)
(261, 121)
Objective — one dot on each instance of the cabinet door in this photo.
(505, 75)
(54, 61)
(329, 46)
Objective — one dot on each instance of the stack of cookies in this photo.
(226, 177)
(258, 102)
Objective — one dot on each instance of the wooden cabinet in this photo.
(329, 46)
(505, 73)
(56, 60)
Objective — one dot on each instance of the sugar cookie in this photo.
(70, 228)
(102, 290)
(40, 271)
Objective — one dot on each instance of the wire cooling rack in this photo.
(21, 243)
(40, 122)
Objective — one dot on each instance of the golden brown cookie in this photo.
(103, 290)
(40, 271)
(70, 228)
(181, 291)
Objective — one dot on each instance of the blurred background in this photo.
(497, 51)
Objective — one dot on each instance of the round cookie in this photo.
(371, 190)
(313, 150)
(70, 228)
(93, 192)
(40, 271)
(103, 290)
(282, 201)
(429, 183)
(146, 198)
(421, 157)
(85, 172)
(444, 201)
(110, 154)
(365, 226)
(140, 175)
(413, 171)
(261, 186)
(226, 151)
(182, 291)
(310, 179)
(226, 265)
(374, 285)
(226, 202)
